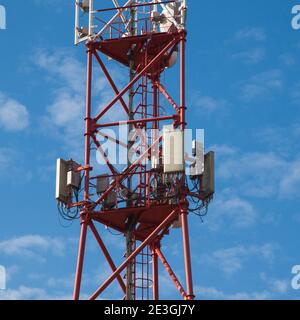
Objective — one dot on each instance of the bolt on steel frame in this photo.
(131, 37)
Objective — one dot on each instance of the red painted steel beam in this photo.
(105, 135)
(184, 209)
(150, 238)
(137, 121)
(171, 273)
(82, 241)
(187, 256)
(135, 6)
(110, 80)
(124, 175)
(168, 97)
(182, 80)
(107, 255)
(155, 273)
(146, 69)
(99, 147)
(80, 259)
(88, 119)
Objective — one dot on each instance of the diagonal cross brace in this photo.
(147, 241)
(125, 174)
(170, 272)
(107, 255)
(146, 68)
(110, 80)
(168, 97)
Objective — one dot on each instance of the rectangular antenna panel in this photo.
(62, 191)
(197, 168)
(173, 150)
(73, 179)
(102, 184)
(208, 181)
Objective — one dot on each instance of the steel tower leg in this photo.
(171, 272)
(154, 247)
(79, 268)
(187, 256)
(130, 241)
(184, 209)
(84, 213)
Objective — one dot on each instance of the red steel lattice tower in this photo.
(146, 198)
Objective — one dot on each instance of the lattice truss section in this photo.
(146, 196)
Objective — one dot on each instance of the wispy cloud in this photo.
(287, 59)
(32, 246)
(14, 116)
(223, 150)
(65, 113)
(207, 104)
(290, 182)
(32, 293)
(259, 174)
(230, 210)
(280, 286)
(255, 173)
(251, 33)
(11, 166)
(231, 260)
(251, 56)
(216, 294)
(262, 86)
(294, 93)
(66, 76)
(7, 156)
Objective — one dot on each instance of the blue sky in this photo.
(242, 86)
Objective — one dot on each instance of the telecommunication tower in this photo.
(152, 192)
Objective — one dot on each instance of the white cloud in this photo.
(230, 210)
(30, 293)
(23, 293)
(63, 68)
(205, 103)
(262, 85)
(251, 56)
(6, 158)
(66, 111)
(280, 140)
(295, 93)
(32, 246)
(213, 293)
(12, 160)
(260, 174)
(67, 282)
(290, 182)
(252, 33)
(223, 150)
(232, 260)
(287, 59)
(66, 108)
(14, 116)
(280, 286)
(59, 6)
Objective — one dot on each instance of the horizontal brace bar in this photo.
(142, 72)
(138, 121)
(135, 6)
